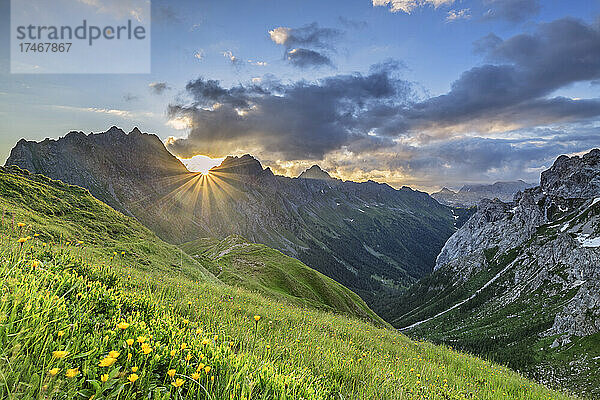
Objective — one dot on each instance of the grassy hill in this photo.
(78, 321)
(259, 268)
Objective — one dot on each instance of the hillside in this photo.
(369, 237)
(68, 216)
(259, 268)
(519, 282)
(74, 325)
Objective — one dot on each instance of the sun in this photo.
(201, 164)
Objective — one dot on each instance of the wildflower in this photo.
(146, 348)
(183, 346)
(141, 339)
(178, 382)
(107, 362)
(114, 354)
(72, 372)
(122, 253)
(123, 325)
(173, 352)
(200, 367)
(79, 242)
(129, 356)
(188, 357)
(212, 378)
(195, 376)
(129, 342)
(171, 373)
(104, 377)
(22, 240)
(60, 354)
(54, 371)
(207, 369)
(132, 378)
(134, 369)
(60, 333)
(186, 321)
(257, 318)
(205, 342)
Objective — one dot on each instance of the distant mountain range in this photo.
(471, 195)
(368, 236)
(520, 281)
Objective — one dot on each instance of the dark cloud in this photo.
(305, 58)
(159, 87)
(514, 89)
(306, 46)
(297, 121)
(511, 10)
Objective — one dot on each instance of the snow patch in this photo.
(586, 241)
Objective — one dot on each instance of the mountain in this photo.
(520, 281)
(471, 195)
(94, 305)
(259, 268)
(315, 172)
(368, 236)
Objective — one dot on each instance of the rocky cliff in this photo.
(520, 281)
(471, 195)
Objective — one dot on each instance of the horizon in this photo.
(420, 94)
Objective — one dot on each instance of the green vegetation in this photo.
(78, 321)
(259, 268)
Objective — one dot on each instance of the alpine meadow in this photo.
(300, 200)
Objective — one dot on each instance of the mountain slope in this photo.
(470, 195)
(259, 268)
(66, 215)
(76, 325)
(520, 281)
(367, 236)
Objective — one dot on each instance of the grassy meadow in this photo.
(95, 306)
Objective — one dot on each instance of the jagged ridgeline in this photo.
(368, 236)
(520, 281)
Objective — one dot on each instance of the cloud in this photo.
(407, 6)
(159, 87)
(296, 120)
(235, 61)
(353, 24)
(513, 91)
(136, 9)
(130, 97)
(304, 46)
(454, 15)
(305, 58)
(199, 54)
(511, 10)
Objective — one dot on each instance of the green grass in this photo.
(259, 268)
(60, 295)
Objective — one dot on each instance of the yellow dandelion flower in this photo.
(186, 321)
(60, 333)
(171, 373)
(200, 367)
(72, 372)
(183, 346)
(129, 356)
(173, 352)
(20, 224)
(146, 348)
(178, 382)
(141, 339)
(257, 318)
(207, 369)
(129, 342)
(205, 342)
(114, 354)
(188, 357)
(195, 376)
(22, 240)
(104, 377)
(123, 325)
(107, 362)
(132, 378)
(212, 378)
(54, 371)
(60, 354)
(134, 369)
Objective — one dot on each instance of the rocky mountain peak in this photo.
(315, 172)
(573, 177)
(244, 165)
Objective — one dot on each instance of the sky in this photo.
(422, 93)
